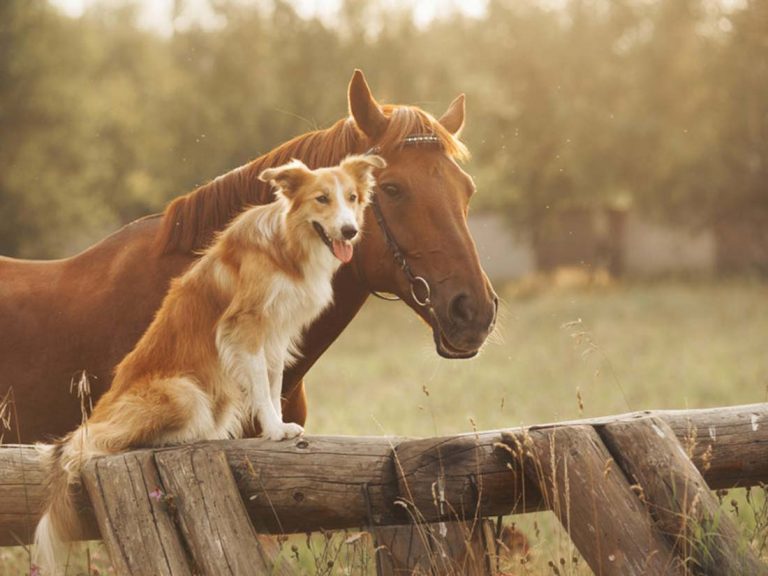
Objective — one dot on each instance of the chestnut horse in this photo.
(84, 313)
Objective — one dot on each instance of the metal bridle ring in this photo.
(427, 292)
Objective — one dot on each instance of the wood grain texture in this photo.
(734, 440)
(470, 474)
(311, 483)
(679, 499)
(21, 493)
(595, 504)
(316, 482)
(210, 512)
(136, 523)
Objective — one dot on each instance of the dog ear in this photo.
(361, 166)
(362, 163)
(288, 178)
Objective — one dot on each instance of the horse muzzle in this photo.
(463, 327)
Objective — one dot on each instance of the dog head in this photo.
(331, 200)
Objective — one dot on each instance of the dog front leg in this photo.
(262, 404)
(275, 369)
(250, 372)
(247, 358)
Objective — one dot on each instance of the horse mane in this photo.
(191, 221)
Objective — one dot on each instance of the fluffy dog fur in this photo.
(214, 355)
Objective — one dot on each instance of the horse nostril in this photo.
(348, 232)
(460, 309)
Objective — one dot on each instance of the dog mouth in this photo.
(341, 249)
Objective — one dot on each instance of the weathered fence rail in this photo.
(350, 482)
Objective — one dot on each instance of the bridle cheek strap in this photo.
(420, 289)
(416, 283)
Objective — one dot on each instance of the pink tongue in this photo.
(342, 250)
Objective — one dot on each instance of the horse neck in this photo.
(190, 221)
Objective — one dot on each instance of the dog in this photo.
(213, 357)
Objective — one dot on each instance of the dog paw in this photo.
(292, 430)
(283, 431)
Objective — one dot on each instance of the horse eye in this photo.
(323, 199)
(392, 190)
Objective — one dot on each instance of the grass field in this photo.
(618, 348)
(558, 354)
(621, 347)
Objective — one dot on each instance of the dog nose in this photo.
(348, 232)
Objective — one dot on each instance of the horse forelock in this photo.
(407, 121)
(190, 221)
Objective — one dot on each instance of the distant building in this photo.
(651, 248)
(623, 242)
(505, 254)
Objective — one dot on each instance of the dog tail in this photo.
(60, 523)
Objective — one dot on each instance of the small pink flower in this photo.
(35, 570)
(156, 495)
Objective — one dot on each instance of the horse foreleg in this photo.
(295, 404)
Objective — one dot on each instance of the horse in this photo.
(75, 318)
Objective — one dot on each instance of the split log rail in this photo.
(633, 491)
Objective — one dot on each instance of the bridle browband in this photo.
(414, 281)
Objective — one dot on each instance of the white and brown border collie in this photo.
(213, 357)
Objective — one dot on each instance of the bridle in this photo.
(399, 258)
(416, 283)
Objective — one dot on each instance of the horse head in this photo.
(416, 243)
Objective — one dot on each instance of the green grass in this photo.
(619, 348)
(623, 347)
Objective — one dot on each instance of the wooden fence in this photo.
(633, 491)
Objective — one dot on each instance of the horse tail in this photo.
(60, 523)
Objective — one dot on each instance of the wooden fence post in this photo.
(679, 499)
(136, 528)
(594, 502)
(316, 482)
(175, 512)
(159, 509)
(443, 478)
(212, 518)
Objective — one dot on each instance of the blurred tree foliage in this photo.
(662, 104)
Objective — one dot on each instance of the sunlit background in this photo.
(596, 127)
(620, 149)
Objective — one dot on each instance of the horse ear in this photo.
(288, 178)
(364, 108)
(453, 119)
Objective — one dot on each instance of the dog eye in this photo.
(323, 199)
(353, 197)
